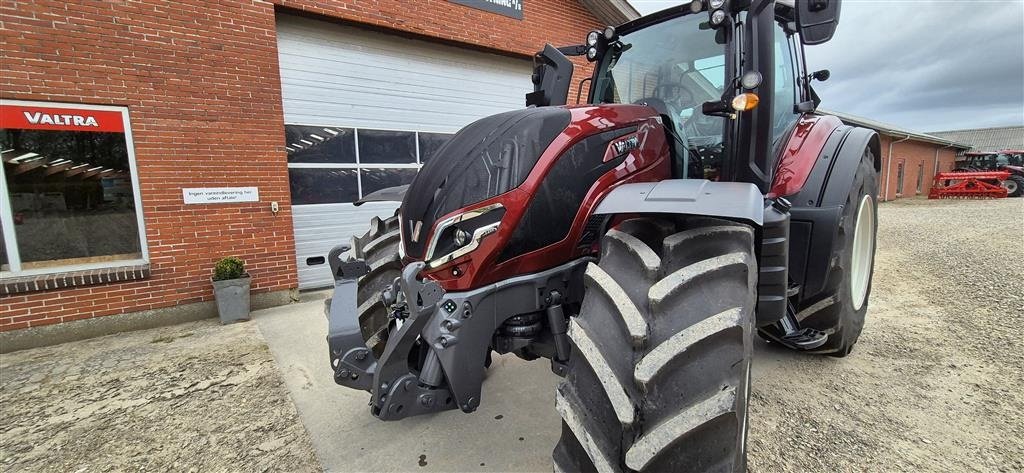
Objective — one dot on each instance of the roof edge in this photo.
(611, 12)
(965, 130)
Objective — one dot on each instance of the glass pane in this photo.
(317, 144)
(430, 143)
(673, 61)
(899, 179)
(785, 87)
(323, 186)
(712, 69)
(674, 67)
(71, 197)
(376, 179)
(389, 147)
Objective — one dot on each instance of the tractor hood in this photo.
(486, 158)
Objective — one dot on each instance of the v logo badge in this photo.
(416, 227)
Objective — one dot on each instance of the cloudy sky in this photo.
(926, 65)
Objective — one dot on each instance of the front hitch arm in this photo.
(353, 362)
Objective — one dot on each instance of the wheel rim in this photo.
(863, 252)
(1010, 185)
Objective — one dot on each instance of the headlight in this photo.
(717, 17)
(591, 53)
(461, 237)
(458, 235)
(717, 4)
(592, 38)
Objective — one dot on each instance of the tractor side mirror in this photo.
(552, 77)
(817, 20)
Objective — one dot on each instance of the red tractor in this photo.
(638, 241)
(1008, 160)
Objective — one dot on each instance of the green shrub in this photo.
(229, 268)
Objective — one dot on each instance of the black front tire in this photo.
(659, 378)
(379, 247)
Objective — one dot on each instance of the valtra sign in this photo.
(25, 117)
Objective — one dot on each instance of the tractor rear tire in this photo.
(380, 251)
(659, 378)
(1014, 186)
(841, 310)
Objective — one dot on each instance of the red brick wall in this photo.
(201, 83)
(913, 154)
(202, 86)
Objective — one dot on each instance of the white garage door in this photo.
(362, 111)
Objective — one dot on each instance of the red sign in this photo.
(30, 117)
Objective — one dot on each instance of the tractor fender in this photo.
(732, 200)
(817, 207)
(736, 201)
(801, 153)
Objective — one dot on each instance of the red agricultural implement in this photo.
(969, 185)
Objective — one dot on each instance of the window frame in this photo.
(358, 165)
(7, 215)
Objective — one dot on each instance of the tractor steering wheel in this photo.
(675, 96)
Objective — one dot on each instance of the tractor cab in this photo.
(1010, 158)
(991, 161)
(701, 65)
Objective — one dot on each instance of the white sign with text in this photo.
(220, 195)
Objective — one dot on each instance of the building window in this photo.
(899, 178)
(920, 177)
(335, 165)
(70, 197)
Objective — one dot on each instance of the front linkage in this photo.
(449, 334)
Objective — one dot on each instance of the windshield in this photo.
(673, 67)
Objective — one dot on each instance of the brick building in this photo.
(144, 139)
(910, 159)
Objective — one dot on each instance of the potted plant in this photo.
(231, 289)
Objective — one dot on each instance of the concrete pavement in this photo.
(514, 429)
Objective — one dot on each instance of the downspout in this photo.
(888, 170)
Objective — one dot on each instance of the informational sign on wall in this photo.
(509, 8)
(220, 195)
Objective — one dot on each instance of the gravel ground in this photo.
(933, 385)
(935, 382)
(193, 397)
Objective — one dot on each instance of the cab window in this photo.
(785, 93)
